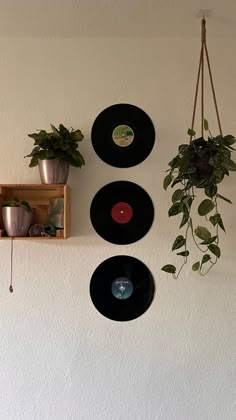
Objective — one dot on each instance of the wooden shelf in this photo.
(38, 195)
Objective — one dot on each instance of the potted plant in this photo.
(54, 152)
(17, 217)
(198, 169)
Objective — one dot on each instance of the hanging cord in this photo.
(11, 269)
(213, 90)
(196, 93)
(201, 73)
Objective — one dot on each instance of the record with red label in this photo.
(123, 135)
(122, 212)
(122, 288)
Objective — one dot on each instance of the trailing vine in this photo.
(199, 166)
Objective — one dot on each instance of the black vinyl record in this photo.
(123, 135)
(122, 212)
(122, 288)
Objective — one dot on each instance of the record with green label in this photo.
(123, 135)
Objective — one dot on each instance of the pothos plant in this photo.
(61, 143)
(15, 202)
(198, 169)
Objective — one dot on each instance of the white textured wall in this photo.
(59, 358)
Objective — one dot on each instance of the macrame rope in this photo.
(196, 92)
(202, 93)
(213, 90)
(201, 73)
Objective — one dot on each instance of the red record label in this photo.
(121, 212)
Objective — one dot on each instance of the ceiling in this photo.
(131, 18)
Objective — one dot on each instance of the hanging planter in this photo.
(198, 170)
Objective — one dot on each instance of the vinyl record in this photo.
(122, 288)
(122, 212)
(123, 135)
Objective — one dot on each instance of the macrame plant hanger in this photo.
(204, 52)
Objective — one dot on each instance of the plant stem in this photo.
(175, 276)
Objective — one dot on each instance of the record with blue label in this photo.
(122, 288)
(122, 212)
(123, 135)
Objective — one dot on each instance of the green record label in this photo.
(123, 135)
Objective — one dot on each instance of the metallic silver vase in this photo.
(16, 220)
(53, 171)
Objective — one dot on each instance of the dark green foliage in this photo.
(58, 144)
(205, 207)
(183, 253)
(17, 203)
(202, 233)
(196, 266)
(179, 242)
(215, 250)
(167, 181)
(169, 268)
(205, 259)
(199, 167)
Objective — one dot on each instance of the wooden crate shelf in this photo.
(38, 195)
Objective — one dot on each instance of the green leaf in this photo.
(224, 198)
(183, 253)
(205, 258)
(34, 161)
(169, 268)
(187, 201)
(63, 130)
(205, 207)
(76, 135)
(209, 241)
(211, 190)
(196, 266)
(174, 163)
(183, 147)
(217, 220)
(229, 164)
(179, 242)
(176, 208)
(11, 203)
(225, 154)
(55, 130)
(221, 224)
(191, 132)
(26, 205)
(215, 250)
(176, 181)
(202, 233)
(213, 220)
(177, 195)
(206, 125)
(167, 181)
(34, 151)
(218, 174)
(229, 140)
(184, 219)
